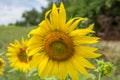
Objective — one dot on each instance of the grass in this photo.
(9, 34)
(110, 51)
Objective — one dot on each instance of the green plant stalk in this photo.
(99, 76)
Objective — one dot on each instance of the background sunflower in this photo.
(17, 55)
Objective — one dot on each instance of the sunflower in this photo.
(59, 48)
(17, 55)
(2, 64)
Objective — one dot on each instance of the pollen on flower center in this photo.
(58, 46)
(22, 55)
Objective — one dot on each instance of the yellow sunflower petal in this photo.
(84, 62)
(44, 25)
(23, 41)
(86, 52)
(34, 51)
(11, 49)
(42, 64)
(62, 71)
(79, 67)
(67, 25)
(56, 68)
(16, 44)
(48, 70)
(54, 16)
(90, 27)
(80, 32)
(9, 54)
(36, 47)
(36, 39)
(38, 31)
(13, 59)
(84, 40)
(36, 59)
(47, 13)
(35, 31)
(24, 69)
(62, 16)
(72, 71)
(49, 24)
(74, 24)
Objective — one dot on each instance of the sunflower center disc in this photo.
(22, 56)
(58, 46)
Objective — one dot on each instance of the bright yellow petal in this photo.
(23, 41)
(62, 16)
(91, 27)
(9, 54)
(74, 24)
(56, 69)
(84, 40)
(16, 43)
(34, 31)
(86, 52)
(79, 67)
(35, 40)
(72, 71)
(38, 31)
(34, 51)
(67, 25)
(54, 16)
(52, 28)
(81, 32)
(13, 59)
(84, 62)
(42, 64)
(48, 70)
(62, 71)
(25, 68)
(44, 25)
(35, 45)
(12, 50)
(36, 59)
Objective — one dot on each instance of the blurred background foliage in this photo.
(104, 13)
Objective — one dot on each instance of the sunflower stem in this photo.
(99, 76)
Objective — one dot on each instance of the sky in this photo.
(12, 10)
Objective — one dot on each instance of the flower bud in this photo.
(104, 68)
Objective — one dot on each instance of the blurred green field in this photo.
(9, 34)
(110, 51)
